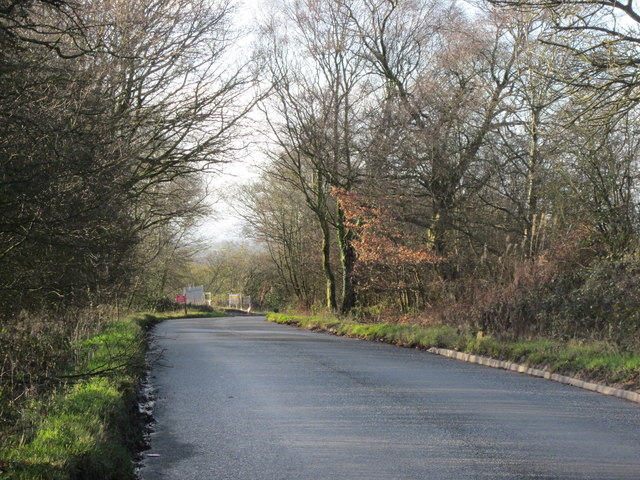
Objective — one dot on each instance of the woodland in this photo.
(111, 113)
(467, 164)
(472, 164)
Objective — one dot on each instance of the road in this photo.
(242, 399)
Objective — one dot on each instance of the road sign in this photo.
(234, 300)
(181, 299)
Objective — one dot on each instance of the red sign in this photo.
(181, 299)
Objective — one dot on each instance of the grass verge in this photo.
(596, 361)
(86, 427)
(147, 319)
(83, 428)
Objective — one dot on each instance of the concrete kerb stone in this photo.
(516, 367)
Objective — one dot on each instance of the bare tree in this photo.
(271, 210)
(105, 106)
(314, 120)
(444, 80)
(601, 37)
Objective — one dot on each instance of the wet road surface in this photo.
(242, 399)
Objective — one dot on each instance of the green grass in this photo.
(83, 428)
(595, 361)
(77, 436)
(77, 432)
(148, 319)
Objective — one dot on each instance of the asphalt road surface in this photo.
(242, 399)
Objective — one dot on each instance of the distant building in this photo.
(195, 295)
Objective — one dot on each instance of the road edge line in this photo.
(536, 372)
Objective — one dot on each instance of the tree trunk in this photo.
(348, 261)
(330, 279)
(533, 182)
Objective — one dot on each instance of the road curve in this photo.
(242, 399)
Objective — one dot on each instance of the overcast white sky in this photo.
(223, 224)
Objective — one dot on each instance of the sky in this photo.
(223, 224)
